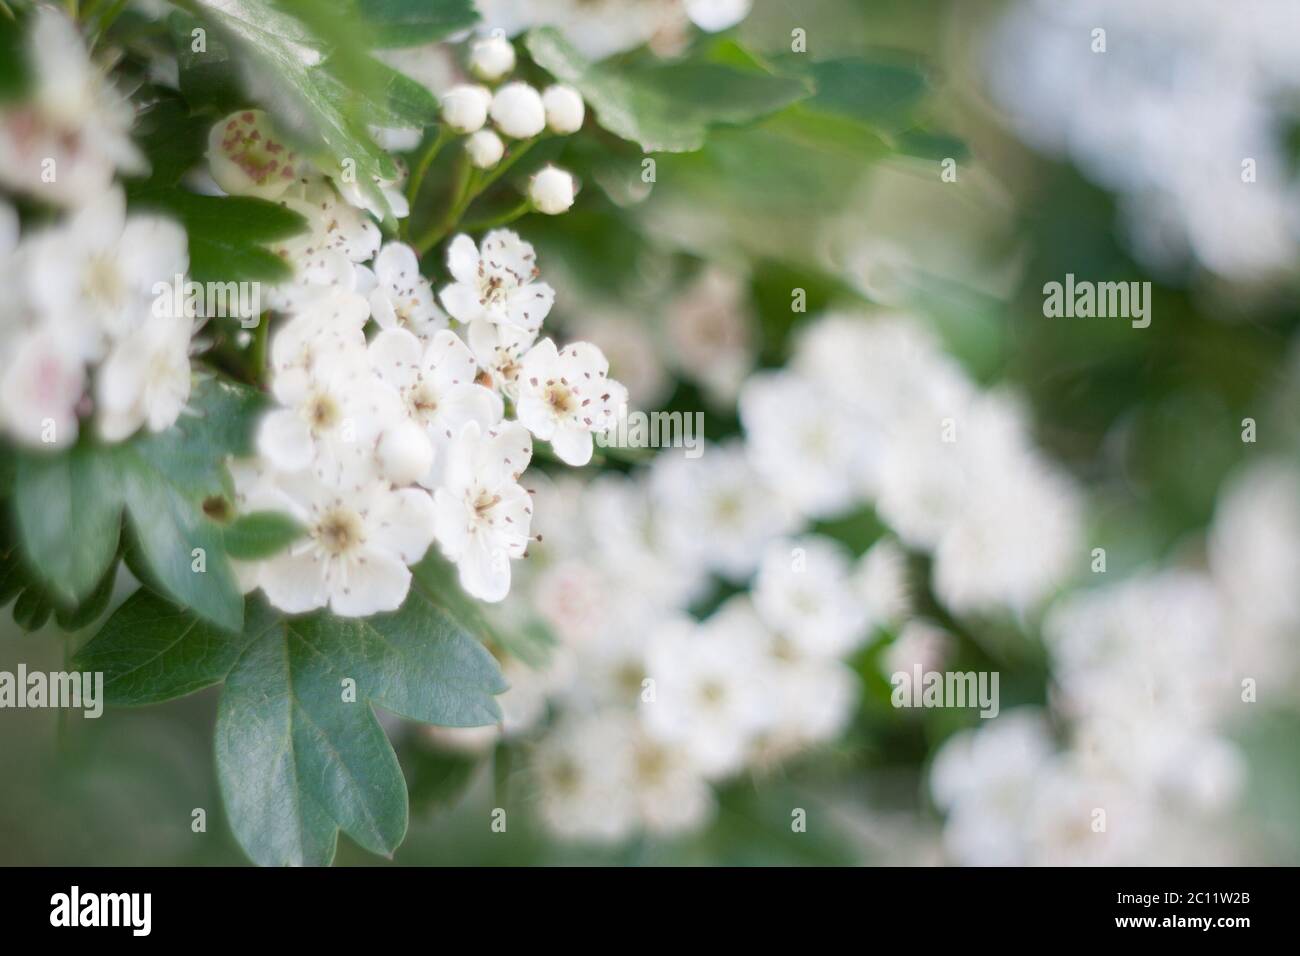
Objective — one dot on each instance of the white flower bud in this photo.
(517, 110)
(464, 107)
(405, 453)
(564, 109)
(492, 58)
(551, 190)
(485, 149)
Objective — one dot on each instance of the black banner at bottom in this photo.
(216, 905)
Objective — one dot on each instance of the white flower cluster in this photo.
(83, 329)
(875, 411)
(67, 138)
(656, 705)
(1145, 703)
(379, 447)
(518, 112)
(1184, 93)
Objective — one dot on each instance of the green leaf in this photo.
(227, 233)
(173, 140)
(69, 512)
(399, 23)
(298, 761)
(181, 547)
(260, 535)
(163, 481)
(150, 650)
(881, 94)
(218, 422)
(286, 68)
(14, 73)
(75, 618)
(667, 107)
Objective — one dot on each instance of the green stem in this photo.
(469, 190)
(503, 167)
(422, 166)
(504, 219)
(463, 191)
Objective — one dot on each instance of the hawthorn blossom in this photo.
(566, 396)
(805, 592)
(146, 378)
(436, 382)
(335, 405)
(63, 142)
(802, 443)
(499, 351)
(361, 534)
(402, 297)
(496, 284)
(711, 689)
(716, 511)
(100, 273)
(483, 513)
(41, 385)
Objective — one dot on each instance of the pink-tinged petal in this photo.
(462, 260)
(573, 445)
(294, 583)
(285, 440)
(461, 302)
(404, 524)
(376, 583)
(484, 572)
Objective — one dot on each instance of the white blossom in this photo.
(71, 118)
(711, 690)
(361, 534)
(805, 592)
(495, 283)
(146, 378)
(566, 396)
(483, 513)
(436, 381)
(402, 297)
